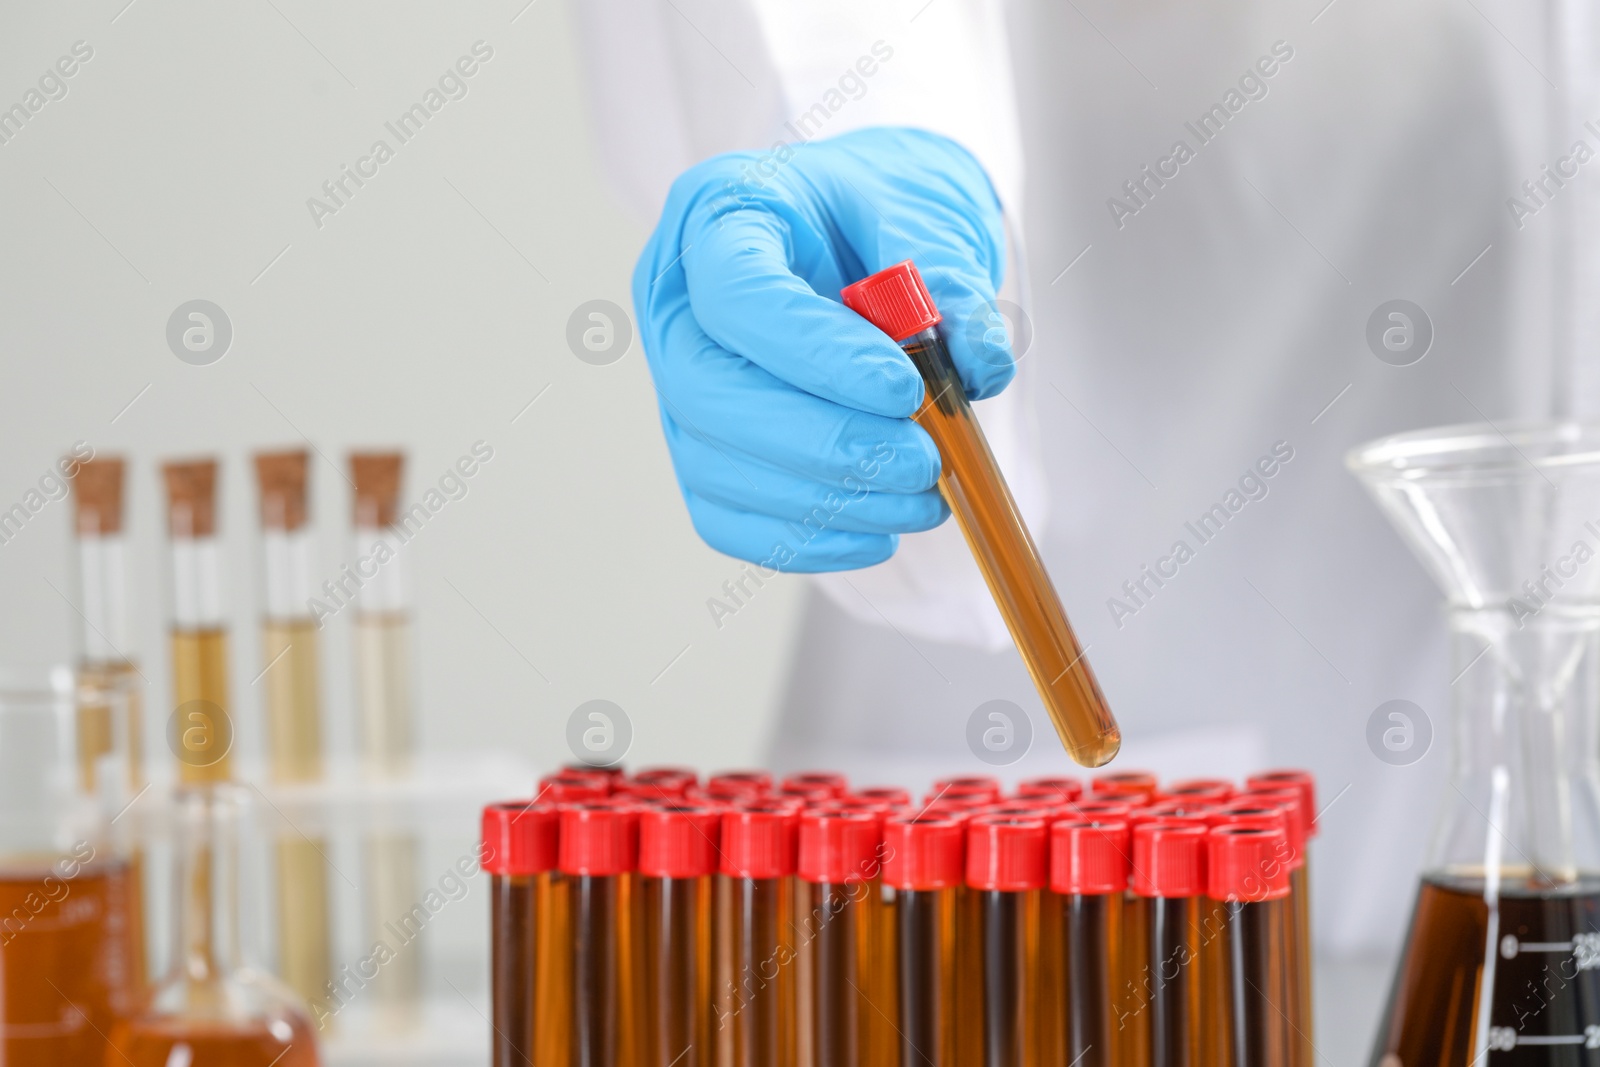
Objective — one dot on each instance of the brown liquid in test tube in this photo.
(598, 860)
(203, 732)
(1249, 885)
(924, 863)
(897, 302)
(1008, 866)
(757, 977)
(837, 868)
(519, 839)
(677, 861)
(1169, 863)
(1089, 868)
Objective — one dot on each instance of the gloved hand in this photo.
(788, 415)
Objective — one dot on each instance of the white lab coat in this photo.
(1180, 338)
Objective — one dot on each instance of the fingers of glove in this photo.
(747, 297)
(744, 483)
(727, 401)
(777, 545)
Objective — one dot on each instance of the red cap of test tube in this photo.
(519, 837)
(731, 784)
(895, 300)
(892, 795)
(574, 785)
(679, 841)
(1008, 853)
(1199, 790)
(758, 840)
(1089, 858)
(1065, 788)
(599, 837)
(839, 846)
(1246, 863)
(1169, 859)
(614, 771)
(1124, 783)
(923, 851)
(1291, 779)
(1101, 808)
(1172, 811)
(1290, 803)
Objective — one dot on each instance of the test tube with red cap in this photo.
(924, 864)
(657, 784)
(1134, 786)
(897, 302)
(519, 852)
(1297, 938)
(568, 786)
(678, 857)
(734, 785)
(838, 874)
(1008, 866)
(1299, 885)
(1249, 882)
(1198, 790)
(1169, 869)
(1089, 866)
(599, 852)
(756, 968)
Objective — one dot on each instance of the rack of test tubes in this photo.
(660, 920)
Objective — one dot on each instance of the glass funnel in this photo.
(1500, 965)
(211, 1007)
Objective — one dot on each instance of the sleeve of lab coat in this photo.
(675, 81)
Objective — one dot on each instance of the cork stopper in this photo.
(281, 477)
(377, 478)
(97, 496)
(191, 498)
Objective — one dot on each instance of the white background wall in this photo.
(425, 314)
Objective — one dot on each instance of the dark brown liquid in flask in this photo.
(971, 483)
(1544, 1007)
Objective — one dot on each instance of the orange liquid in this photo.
(971, 483)
(286, 1042)
(200, 679)
(66, 961)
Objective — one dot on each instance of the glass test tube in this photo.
(838, 870)
(1008, 866)
(202, 728)
(924, 864)
(519, 852)
(599, 851)
(291, 677)
(757, 981)
(897, 302)
(1304, 783)
(1089, 869)
(1297, 1006)
(677, 861)
(211, 1008)
(110, 705)
(1169, 864)
(385, 697)
(1249, 881)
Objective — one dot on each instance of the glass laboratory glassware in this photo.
(897, 302)
(211, 1007)
(202, 728)
(290, 676)
(67, 965)
(384, 696)
(1499, 966)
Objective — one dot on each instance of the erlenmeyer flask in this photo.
(211, 1008)
(1500, 967)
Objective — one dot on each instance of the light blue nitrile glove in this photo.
(788, 416)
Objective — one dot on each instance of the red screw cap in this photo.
(1007, 852)
(1304, 781)
(599, 837)
(1288, 801)
(923, 851)
(613, 771)
(519, 837)
(1247, 863)
(895, 300)
(1124, 783)
(1169, 859)
(1065, 788)
(1199, 790)
(1172, 811)
(679, 841)
(574, 785)
(758, 840)
(839, 846)
(731, 784)
(1089, 858)
(1103, 809)
(892, 795)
